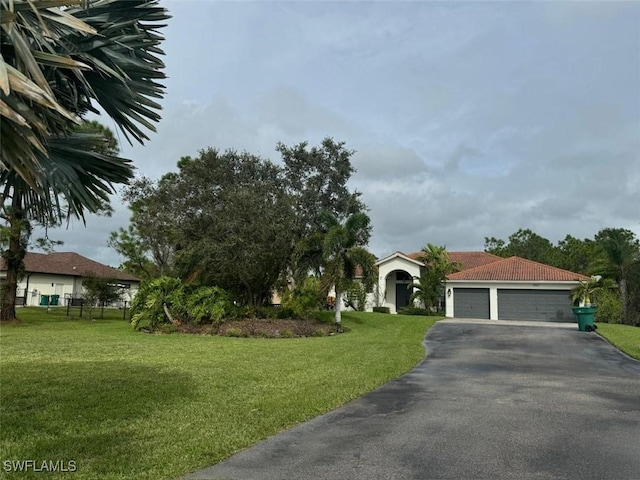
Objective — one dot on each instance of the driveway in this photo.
(493, 400)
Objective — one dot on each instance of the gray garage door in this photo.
(471, 302)
(543, 305)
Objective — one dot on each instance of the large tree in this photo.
(148, 244)
(232, 219)
(60, 60)
(317, 179)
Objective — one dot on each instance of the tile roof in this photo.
(466, 259)
(514, 269)
(69, 263)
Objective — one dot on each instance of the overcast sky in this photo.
(469, 119)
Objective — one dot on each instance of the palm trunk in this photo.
(338, 313)
(623, 299)
(13, 258)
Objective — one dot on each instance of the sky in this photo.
(469, 119)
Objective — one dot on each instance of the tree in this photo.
(317, 179)
(622, 255)
(100, 290)
(578, 255)
(430, 285)
(149, 242)
(524, 244)
(225, 218)
(343, 255)
(56, 64)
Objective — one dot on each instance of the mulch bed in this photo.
(262, 328)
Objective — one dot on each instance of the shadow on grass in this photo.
(92, 412)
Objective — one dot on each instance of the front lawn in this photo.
(123, 404)
(625, 337)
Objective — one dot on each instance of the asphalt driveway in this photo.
(494, 400)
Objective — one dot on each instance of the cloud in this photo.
(469, 119)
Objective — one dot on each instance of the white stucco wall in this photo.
(493, 291)
(38, 284)
(387, 278)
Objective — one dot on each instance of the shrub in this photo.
(381, 310)
(415, 311)
(609, 307)
(356, 296)
(304, 297)
(168, 328)
(318, 332)
(234, 332)
(148, 305)
(286, 333)
(184, 303)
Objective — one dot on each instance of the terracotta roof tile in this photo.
(466, 259)
(514, 269)
(69, 263)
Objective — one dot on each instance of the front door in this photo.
(402, 295)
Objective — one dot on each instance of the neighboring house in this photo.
(61, 273)
(487, 287)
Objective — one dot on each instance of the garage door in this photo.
(471, 302)
(543, 305)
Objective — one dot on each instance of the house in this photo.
(61, 274)
(487, 287)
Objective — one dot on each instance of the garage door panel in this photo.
(542, 305)
(471, 302)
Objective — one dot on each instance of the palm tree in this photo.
(60, 60)
(338, 253)
(622, 254)
(426, 289)
(431, 282)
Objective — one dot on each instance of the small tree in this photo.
(430, 285)
(99, 290)
(341, 252)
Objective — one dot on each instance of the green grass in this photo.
(624, 337)
(123, 404)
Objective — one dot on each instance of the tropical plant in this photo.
(622, 255)
(430, 284)
(426, 289)
(356, 296)
(306, 296)
(342, 256)
(150, 303)
(60, 60)
(586, 290)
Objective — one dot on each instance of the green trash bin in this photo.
(54, 300)
(44, 300)
(586, 316)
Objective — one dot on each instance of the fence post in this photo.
(68, 305)
(124, 311)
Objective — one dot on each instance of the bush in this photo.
(356, 296)
(609, 307)
(185, 303)
(304, 297)
(415, 311)
(286, 333)
(168, 328)
(381, 310)
(235, 332)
